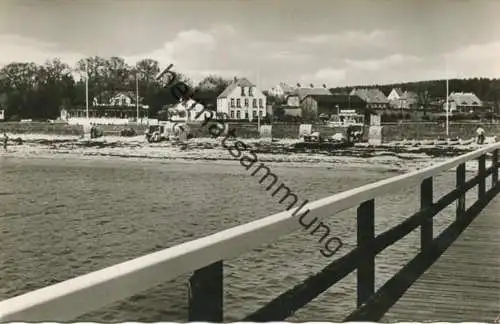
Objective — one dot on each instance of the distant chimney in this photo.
(324, 85)
(312, 85)
(298, 85)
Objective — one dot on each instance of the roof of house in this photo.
(242, 82)
(304, 92)
(399, 92)
(335, 99)
(108, 94)
(410, 95)
(370, 95)
(464, 98)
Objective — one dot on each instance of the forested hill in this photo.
(486, 89)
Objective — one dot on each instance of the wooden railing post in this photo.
(461, 171)
(426, 200)
(365, 235)
(206, 292)
(494, 164)
(481, 189)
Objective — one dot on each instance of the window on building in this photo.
(246, 102)
(254, 113)
(246, 114)
(260, 103)
(254, 103)
(260, 113)
(238, 103)
(232, 114)
(238, 115)
(250, 91)
(242, 91)
(232, 102)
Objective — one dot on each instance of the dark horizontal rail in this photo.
(72, 298)
(292, 300)
(395, 287)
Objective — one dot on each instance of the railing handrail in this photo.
(94, 290)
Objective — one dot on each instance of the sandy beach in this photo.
(397, 156)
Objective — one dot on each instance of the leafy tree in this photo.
(424, 100)
(20, 81)
(28, 90)
(272, 99)
(213, 84)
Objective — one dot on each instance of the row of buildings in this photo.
(243, 100)
(325, 101)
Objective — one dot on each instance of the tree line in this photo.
(29, 90)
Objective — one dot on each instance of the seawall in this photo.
(390, 132)
(61, 128)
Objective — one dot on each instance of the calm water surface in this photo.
(61, 218)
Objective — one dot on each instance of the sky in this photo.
(332, 42)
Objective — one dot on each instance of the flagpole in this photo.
(447, 101)
(447, 108)
(137, 96)
(258, 106)
(87, 87)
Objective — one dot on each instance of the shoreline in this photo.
(400, 156)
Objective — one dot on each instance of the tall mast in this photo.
(87, 87)
(137, 96)
(258, 106)
(447, 102)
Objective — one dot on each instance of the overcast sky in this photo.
(335, 42)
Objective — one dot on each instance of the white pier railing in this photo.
(67, 300)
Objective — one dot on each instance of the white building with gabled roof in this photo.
(242, 100)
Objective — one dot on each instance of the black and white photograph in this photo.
(249, 161)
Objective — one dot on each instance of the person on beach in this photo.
(480, 135)
(349, 133)
(5, 140)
